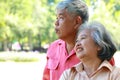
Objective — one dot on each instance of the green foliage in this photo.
(26, 21)
(32, 21)
(108, 13)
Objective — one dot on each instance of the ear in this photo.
(99, 48)
(78, 21)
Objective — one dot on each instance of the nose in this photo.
(56, 22)
(77, 43)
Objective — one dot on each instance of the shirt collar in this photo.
(61, 42)
(106, 64)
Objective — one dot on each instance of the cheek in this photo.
(91, 49)
(60, 22)
(62, 25)
(75, 47)
(88, 46)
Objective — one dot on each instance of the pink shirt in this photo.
(58, 60)
(104, 72)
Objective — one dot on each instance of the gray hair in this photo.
(75, 8)
(102, 38)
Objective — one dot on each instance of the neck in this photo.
(69, 47)
(91, 66)
(70, 43)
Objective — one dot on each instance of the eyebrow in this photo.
(83, 35)
(61, 14)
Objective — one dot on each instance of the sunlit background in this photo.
(27, 29)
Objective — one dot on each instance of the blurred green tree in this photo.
(32, 21)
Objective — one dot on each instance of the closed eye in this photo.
(76, 41)
(83, 37)
(80, 38)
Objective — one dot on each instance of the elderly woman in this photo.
(94, 48)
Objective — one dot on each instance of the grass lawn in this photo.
(19, 56)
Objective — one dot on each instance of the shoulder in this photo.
(116, 70)
(115, 74)
(69, 74)
(65, 75)
(56, 43)
(54, 47)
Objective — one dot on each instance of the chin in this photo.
(80, 56)
(60, 37)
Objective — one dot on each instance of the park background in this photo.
(27, 29)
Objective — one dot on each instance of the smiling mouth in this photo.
(79, 49)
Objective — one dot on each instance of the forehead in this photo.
(85, 32)
(61, 12)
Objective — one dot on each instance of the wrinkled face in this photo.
(85, 46)
(64, 25)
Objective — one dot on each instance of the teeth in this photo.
(79, 49)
